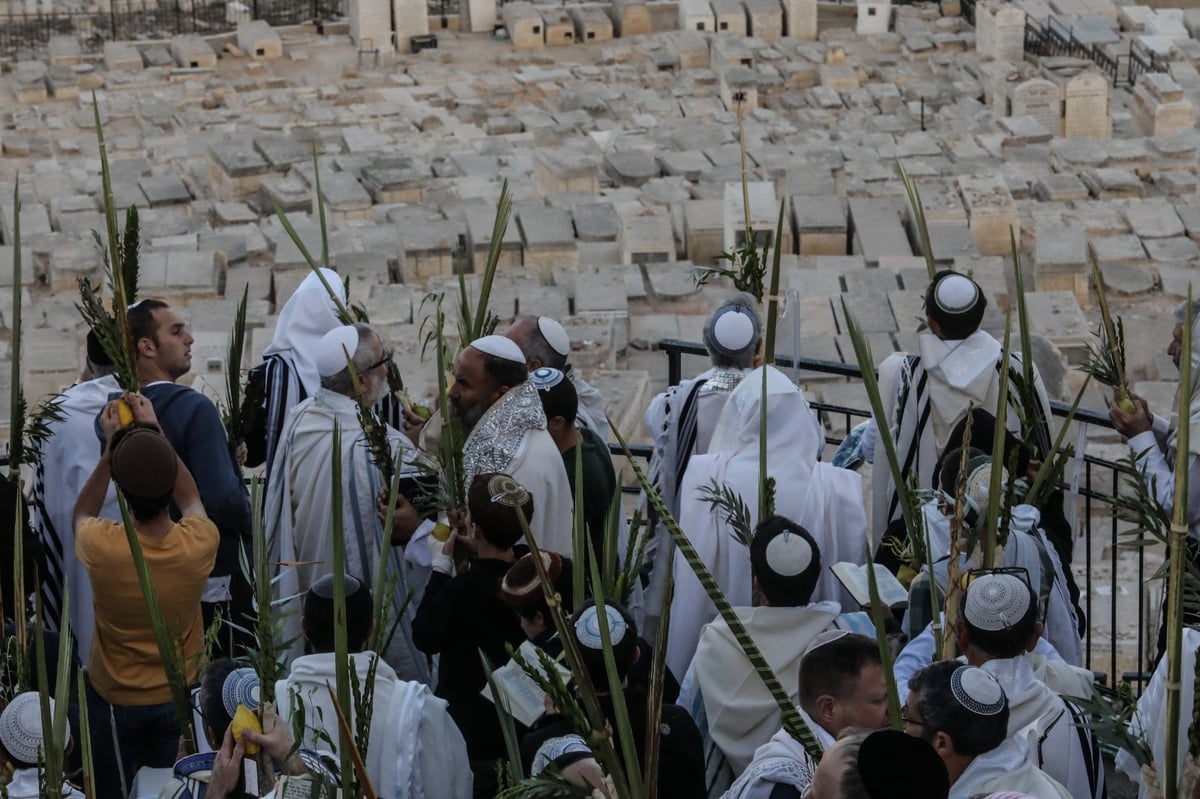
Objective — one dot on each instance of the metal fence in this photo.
(27, 34)
(1095, 486)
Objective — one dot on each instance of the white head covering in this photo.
(789, 554)
(996, 602)
(241, 687)
(332, 349)
(977, 691)
(21, 727)
(500, 347)
(308, 315)
(956, 294)
(587, 627)
(555, 335)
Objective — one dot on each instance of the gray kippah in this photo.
(977, 691)
(996, 602)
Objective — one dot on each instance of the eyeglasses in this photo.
(904, 718)
(387, 356)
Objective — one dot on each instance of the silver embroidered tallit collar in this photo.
(497, 436)
(724, 380)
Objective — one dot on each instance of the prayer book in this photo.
(519, 694)
(853, 578)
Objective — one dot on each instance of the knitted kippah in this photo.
(587, 627)
(546, 378)
(996, 602)
(21, 727)
(241, 688)
(977, 691)
(504, 490)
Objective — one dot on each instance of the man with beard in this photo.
(300, 496)
(505, 429)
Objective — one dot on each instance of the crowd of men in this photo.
(999, 719)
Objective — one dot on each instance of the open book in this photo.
(854, 578)
(525, 701)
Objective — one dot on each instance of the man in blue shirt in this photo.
(191, 422)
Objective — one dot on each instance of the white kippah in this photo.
(333, 348)
(587, 628)
(977, 691)
(788, 554)
(500, 347)
(979, 480)
(733, 330)
(546, 378)
(956, 294)
(555, 335)
(996, 602)
(21, 727)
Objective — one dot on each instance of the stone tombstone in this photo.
(1087, 108)
(371, 24)
(874, 17)
(1000, 32)
(1040, 99)
(801, 19)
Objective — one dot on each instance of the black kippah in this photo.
(895, 765)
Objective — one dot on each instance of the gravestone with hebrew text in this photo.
(1040, 99)
(1087, 108)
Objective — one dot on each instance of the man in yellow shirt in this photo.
(128, 696)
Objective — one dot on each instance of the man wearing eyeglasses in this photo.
(300, 496)
(998, 629)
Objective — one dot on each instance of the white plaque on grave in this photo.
(1040, 99)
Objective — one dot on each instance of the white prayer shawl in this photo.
(26, 784)
(924, 398)
(664, 420)
(1033, 552)
(742, 714)
(292, 373)
(511, 438)
(298, 516)
(65, 462)
(1150, 720)
(825, 500)
(780, 761)
(1066, 752)
(592, 413)
(416, 750)
(1008, 767)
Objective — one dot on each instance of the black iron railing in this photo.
(1095, 489)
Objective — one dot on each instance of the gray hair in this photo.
(535, 346)
(362, 358)
(741, 359)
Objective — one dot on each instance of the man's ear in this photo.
(960, 635)
(933, 326)
(145, 347)
(556, 425)
(534, 364)
(1038, 629)
(943, 744)
(370, 632)
(826, 706)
